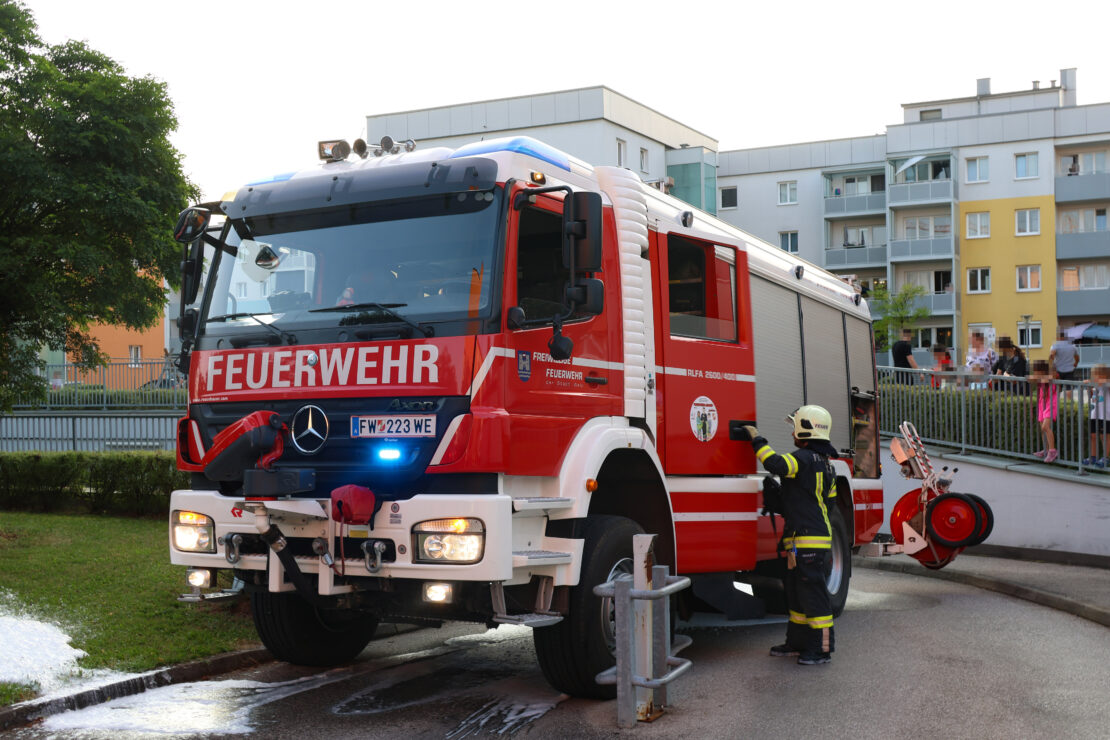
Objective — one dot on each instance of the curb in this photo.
(37, 709)
(1095, 614)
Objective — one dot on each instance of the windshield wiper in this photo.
(282, 335)
(386, 308)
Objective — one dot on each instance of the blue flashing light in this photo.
(389, 454)
(276, 178)
(518, 144)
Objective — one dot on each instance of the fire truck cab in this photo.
(431, 385)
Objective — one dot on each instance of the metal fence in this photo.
(147, 384)
(60, 431)
(995, 415)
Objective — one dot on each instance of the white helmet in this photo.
(810, 422)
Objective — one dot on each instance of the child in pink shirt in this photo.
(1047, 407)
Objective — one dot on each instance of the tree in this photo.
(896, 311)
(91, 188)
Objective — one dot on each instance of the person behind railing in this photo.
(979, 352)
(943, 365)
(902, 354)
(1064, 356)
(1098, 391)
(980, 378)
(1011, 364)
(1047, 408)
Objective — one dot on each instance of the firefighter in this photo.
(807, 480)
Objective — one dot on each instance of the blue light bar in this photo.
(518, 144)
(276, 178)
(389, 454)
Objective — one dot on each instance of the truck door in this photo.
(548, 400)
(707, 368)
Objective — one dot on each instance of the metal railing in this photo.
(995, 415)
(119, 384)
(88, 431)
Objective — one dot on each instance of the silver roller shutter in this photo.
(860, 358)
(778, 359)
(826, 369)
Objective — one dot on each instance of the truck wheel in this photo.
(572, 652)
(840, 570)
(300, 633)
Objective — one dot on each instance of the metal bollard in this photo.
(646, 660)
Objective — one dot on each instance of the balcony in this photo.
(1094, 302)
(921, 249)
(837, 206)
(937, 303)
(1081, 245)
(930, 191)
(856, 256)
(1093, 354)
(1083, 187)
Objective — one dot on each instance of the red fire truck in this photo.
(430, 385)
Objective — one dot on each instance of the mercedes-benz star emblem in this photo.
(309, 429)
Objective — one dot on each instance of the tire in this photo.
(572, 652)
(840, 565)
(988, 518)
(300, 633)
(953, 520)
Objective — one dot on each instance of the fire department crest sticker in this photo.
(703, 418)
(524, 365)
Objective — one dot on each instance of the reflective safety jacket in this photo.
(807, 482)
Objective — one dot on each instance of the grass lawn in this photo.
(108, 583)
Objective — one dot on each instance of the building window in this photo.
(932, 114)
(979, 280)
(1029, 335)
(622, 153)
(1081, 220)
(1085, 277)
(788, 192)
(728, 198)
(643, 160)
(1028, 222)
(134, 354)
(240, 290)
(927, 227)
(978, 169)
(857, 236)
(1025, 166)
(788, 240)
(1028, 278)
(978, 225)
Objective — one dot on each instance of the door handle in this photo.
(596, 380)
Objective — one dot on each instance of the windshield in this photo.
(411, 264)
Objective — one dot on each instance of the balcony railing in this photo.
(920, 192)
(844, 205)
(937, 303)
(912, 249)
(855, 256)
(1082, 244)
(1083, 187)
(1090, 302)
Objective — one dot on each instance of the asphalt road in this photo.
(916, 657)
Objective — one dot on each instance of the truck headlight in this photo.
(193, 532)
(448, 541)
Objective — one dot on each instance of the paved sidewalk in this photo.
(1079, 590)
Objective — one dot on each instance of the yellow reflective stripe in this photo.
(821, 500)
(798, 618)
(820, 623)
(764, 452)
(791, 465)
(814, 542)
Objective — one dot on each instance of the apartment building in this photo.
(994, 203)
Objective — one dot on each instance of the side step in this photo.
(525, 558)
(541, 617)
(540, 503)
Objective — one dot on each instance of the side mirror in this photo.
(582, 230)
(187, 323)
(191, 225)
(515, 318)
(588, 294)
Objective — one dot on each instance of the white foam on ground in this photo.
(522, 702)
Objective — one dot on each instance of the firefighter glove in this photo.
(772, 496)
(751, 431)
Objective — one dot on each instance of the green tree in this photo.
(893, 312)
(91, 188)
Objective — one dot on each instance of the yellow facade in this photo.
(1003, 252)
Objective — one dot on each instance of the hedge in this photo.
(131, 483)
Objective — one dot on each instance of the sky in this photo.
(255, 84)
